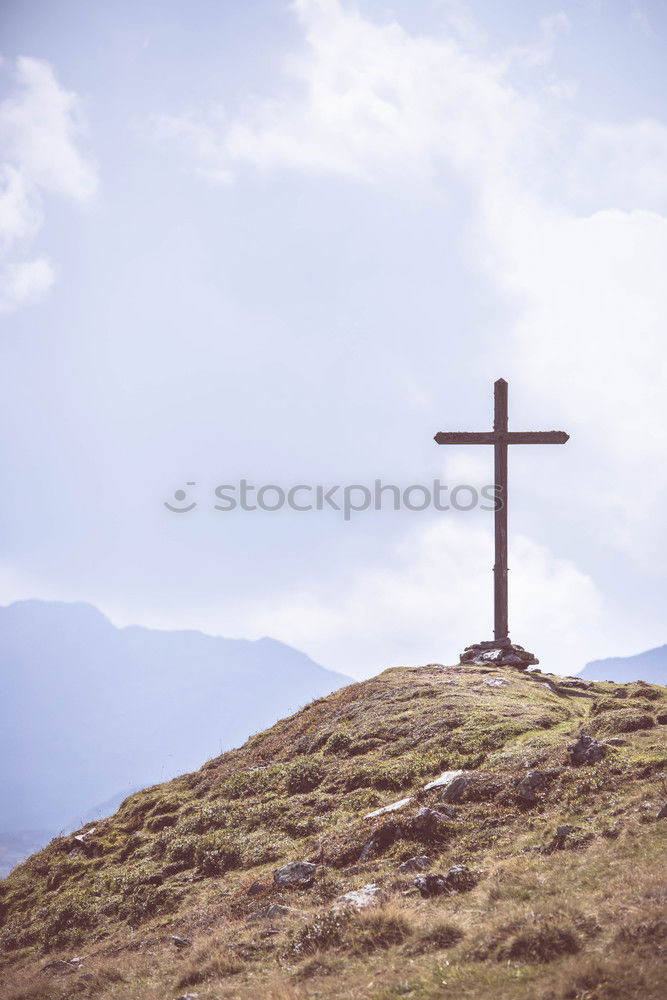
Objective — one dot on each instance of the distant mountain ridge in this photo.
(88, 709)
(650, 666)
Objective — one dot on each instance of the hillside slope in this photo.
(536, 872)
(88, 709)
(650, 666)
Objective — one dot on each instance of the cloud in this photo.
(372, 102)
(40, 129)
(365, 101)
(434, 588)
(568, 220)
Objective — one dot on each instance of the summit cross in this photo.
(500, 649)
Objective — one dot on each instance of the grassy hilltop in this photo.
(542, 871)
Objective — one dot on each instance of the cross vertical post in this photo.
(500, 601)
(500, 650)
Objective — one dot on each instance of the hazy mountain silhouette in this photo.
(89, 709)
(650, 666)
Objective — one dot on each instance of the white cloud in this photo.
(372, 102)
(365, 101)
(434, 589)
(40, 126)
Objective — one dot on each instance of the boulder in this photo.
(534, 781)
(418, 864)
(296, 875)
(586, 750)
(475, 786)
(360, 899)
(445, 779)
(503, 653)
(455, 789)
(392, 807)
(431, 885)
(662, 813)
(458, 879)
(428, 823)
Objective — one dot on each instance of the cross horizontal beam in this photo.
(506, 437)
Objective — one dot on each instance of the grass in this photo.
(580, 916)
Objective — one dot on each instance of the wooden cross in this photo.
(500, 437)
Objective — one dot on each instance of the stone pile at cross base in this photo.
(500, 653)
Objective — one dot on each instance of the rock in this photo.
(427, 823)
(63, 965)
(419, 864)
(180, 942)
(662, 813)
(189, 996)
(616, 741)
(455, 789)
(445, 779)
(80, 845)
(503, 653)
(558, 841)
(393, 807)
(495, 682)
(431, 885)
(458, 879)
(527, 788)
(586, 750)
(534, 782)
(515, 660)
(575, 682)
(297, 874)
(360, 899)
(475, 786)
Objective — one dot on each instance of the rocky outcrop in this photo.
(360, 899)
(586, 750)
(417, 864)
(296, 875)
(501, 653)
(460, 878)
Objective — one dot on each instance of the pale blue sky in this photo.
(291, 242)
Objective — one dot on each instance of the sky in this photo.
(288, 243)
